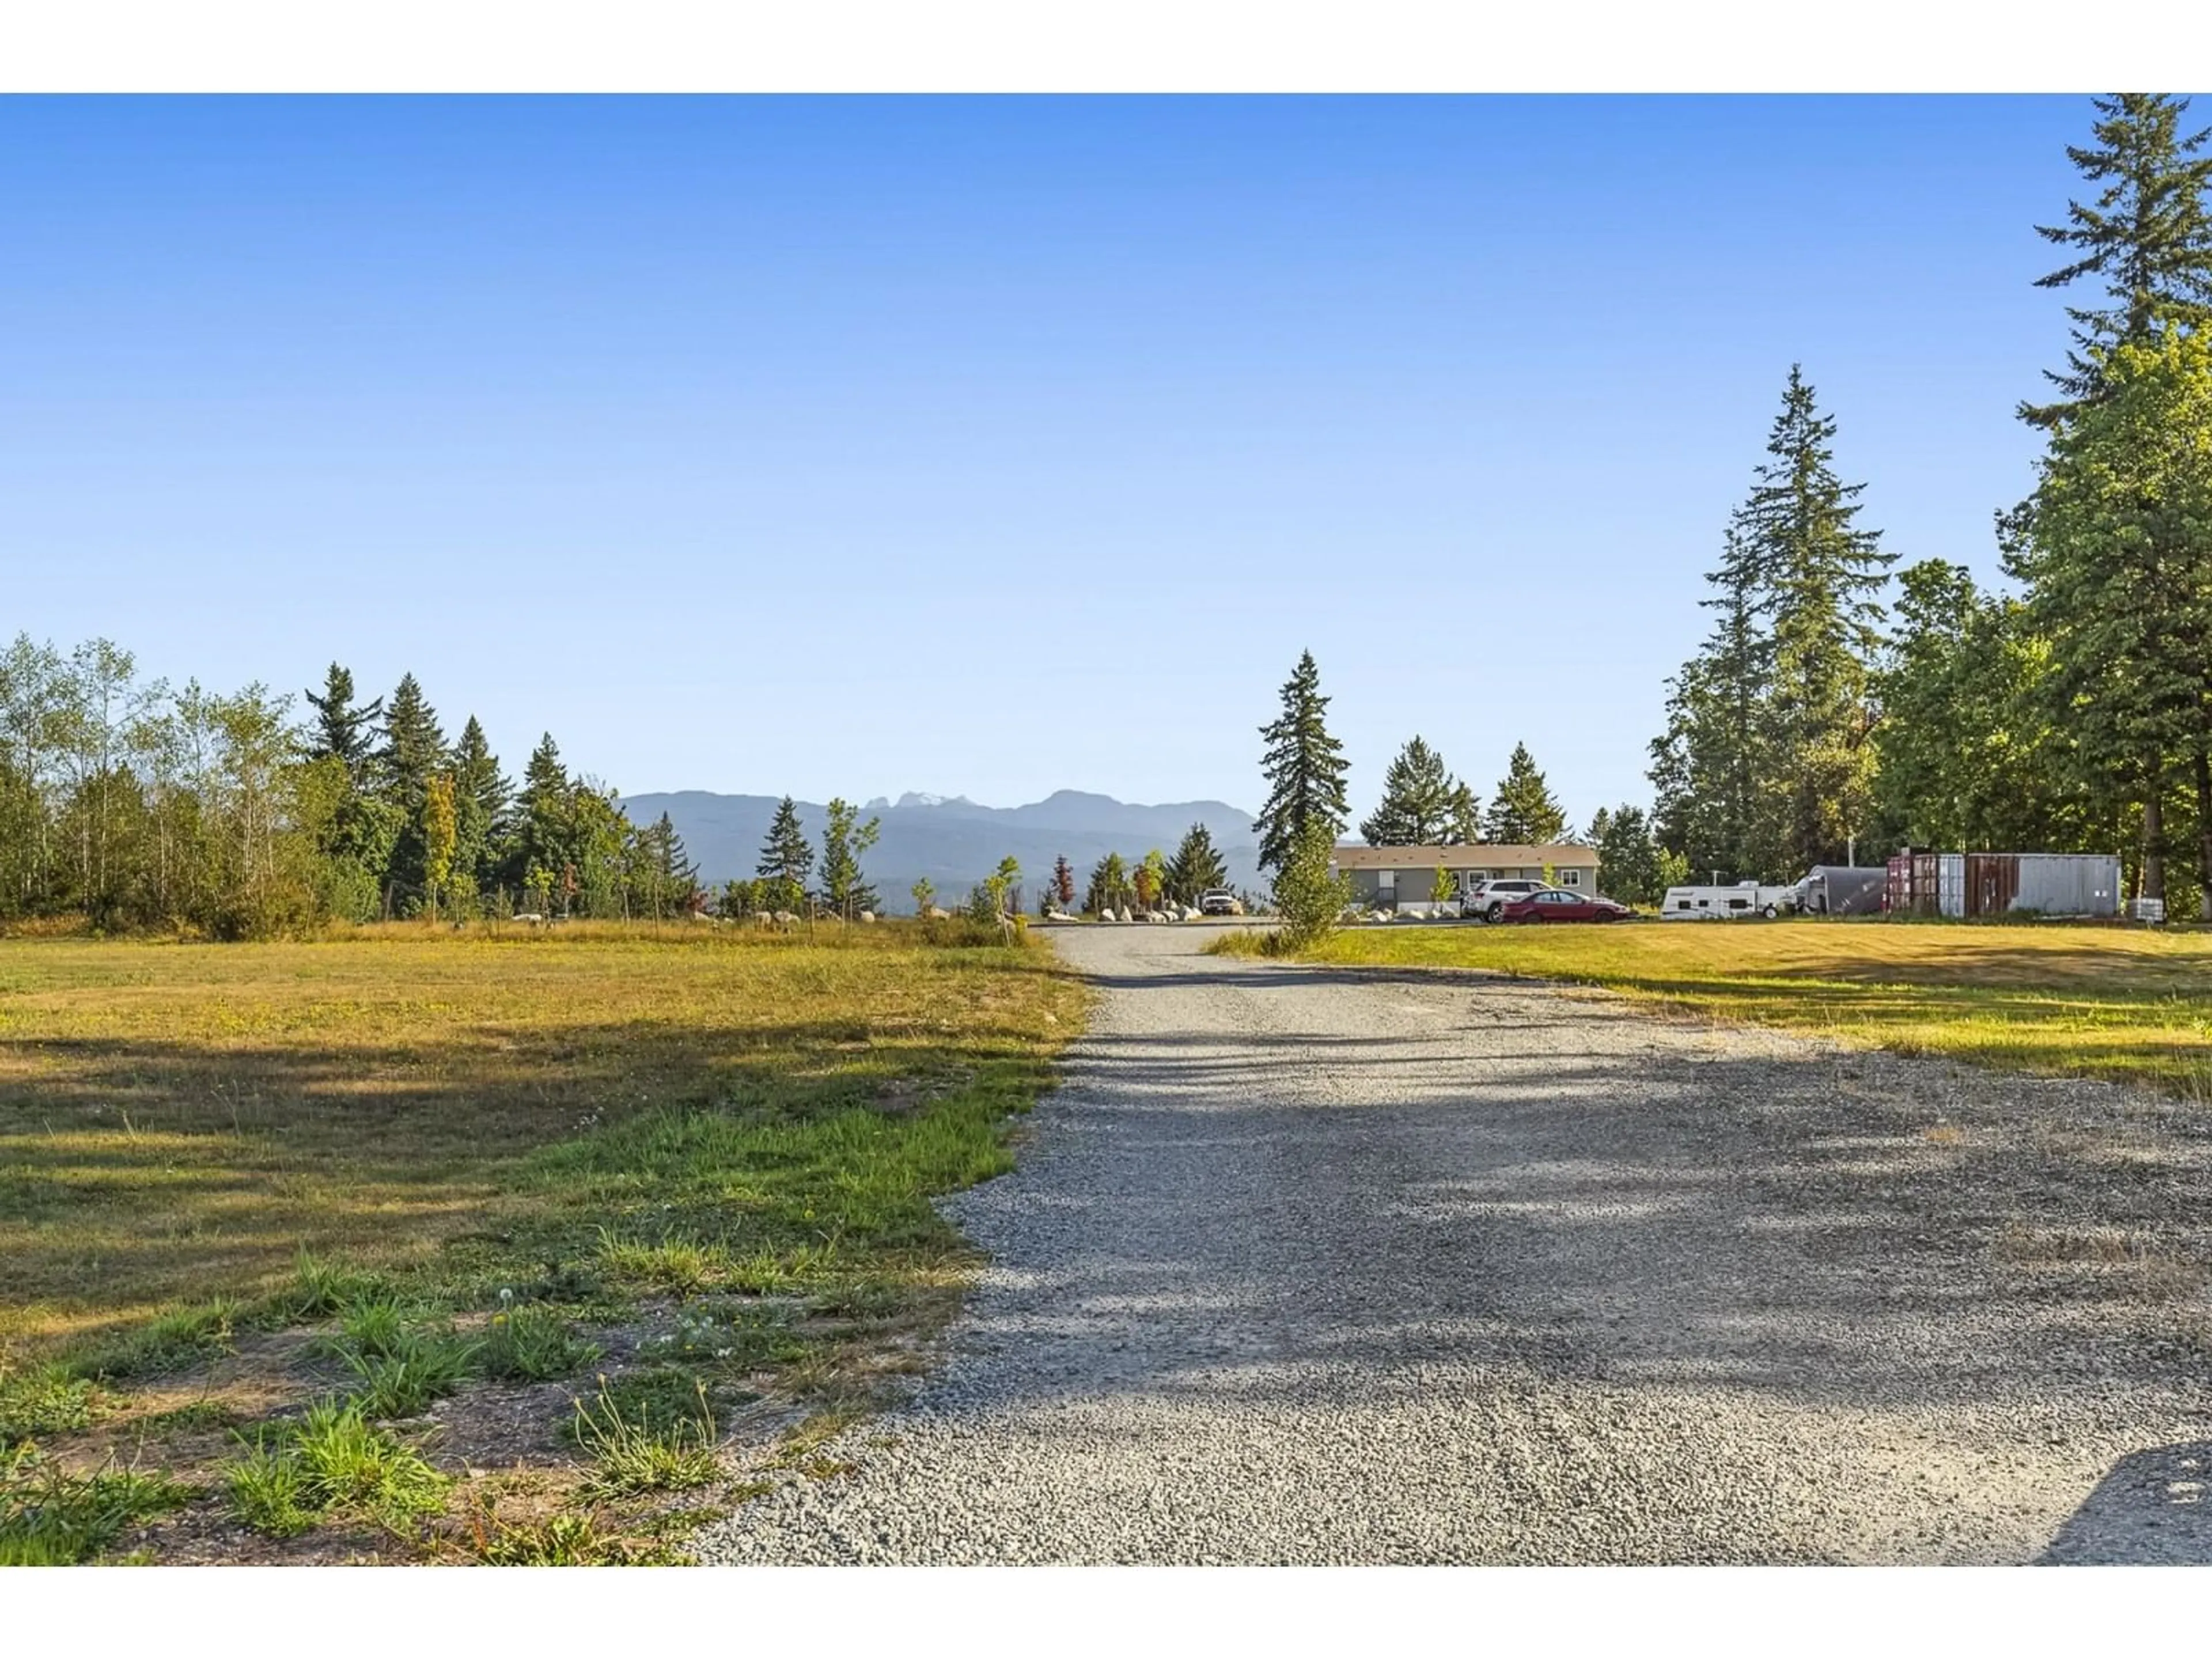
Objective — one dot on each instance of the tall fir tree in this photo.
(2147, 237)
(1196, 866)
(1819, 577)
(1523, 812)
(1627, 857)
(2117, 563)
(541, 854)
(787, 859)
(412, 753)
(1418, 800)
(1464, 827)
(481, 798)
(1304, 769)
(343, 729)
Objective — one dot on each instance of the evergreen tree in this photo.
(1819, 577)
(480, 797)
(1419, 800)
(1627, 857)
(541, 856)
(1523, 812)
(1464, 826)
(342, 727)
(1713, 768)
(2116, 557)
(1304, 769)
(1063, 881)
(2147, 238)
(1196, 867)
(845, 840)
(666, 881)
(786, 860)
(412, 753)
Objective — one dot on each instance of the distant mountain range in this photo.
(954, 842)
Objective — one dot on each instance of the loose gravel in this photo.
(1325, 1266)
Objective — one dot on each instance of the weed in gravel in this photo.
(50, 1517)
(48, 1400)
(634, 1450)
(564, 1540)
(419, 1369)
(533, 1345)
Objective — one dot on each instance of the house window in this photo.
(1386, 881)
(1571, 878)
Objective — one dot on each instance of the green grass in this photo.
(193, 1138)
(52, 1517)
(565, 1540)
(334, 1461)
(47, 1401)
(2057, 999)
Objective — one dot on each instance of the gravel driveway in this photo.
(1323, 1265)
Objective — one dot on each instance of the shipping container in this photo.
(1973, 885)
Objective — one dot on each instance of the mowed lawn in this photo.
(178, 1122)
(2098, 1001)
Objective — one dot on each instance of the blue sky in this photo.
(992, 446)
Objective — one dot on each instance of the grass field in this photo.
(2085, 1000)
(200, 1143)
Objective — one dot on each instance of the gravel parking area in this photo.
(1340, 1266)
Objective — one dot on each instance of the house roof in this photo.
(1476, 855)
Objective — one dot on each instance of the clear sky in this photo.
(989, 446)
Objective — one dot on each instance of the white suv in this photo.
(1218, 902)
(1487, 899)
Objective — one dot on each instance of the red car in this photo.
(1557, 904)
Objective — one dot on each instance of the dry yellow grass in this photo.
(177, 1120)
(2101, 1001)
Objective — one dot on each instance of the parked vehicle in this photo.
(1747, 898)
(1488, 899)
(1218, 902)
(1841, 890)
(1558, 904)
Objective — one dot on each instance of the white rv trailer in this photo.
(1746, 898)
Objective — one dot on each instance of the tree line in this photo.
(1837, 707)
(1840, 708)
(139, 805)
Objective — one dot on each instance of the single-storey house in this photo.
(1388, 877)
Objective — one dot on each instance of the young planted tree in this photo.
(924, 894)
(1419, 800)
(1303, 767)
(1310, 895)
(1109, 885)
(1063, 881)
(1151, 879)
(845, 841)
(1196, 866)
(787, 859)
(1523, 811)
